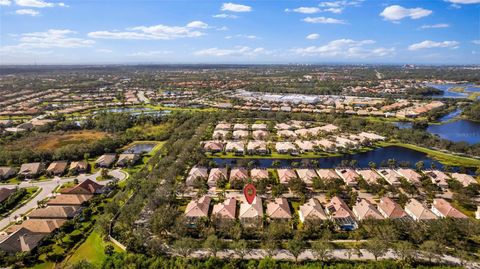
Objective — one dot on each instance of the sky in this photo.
(257, 31)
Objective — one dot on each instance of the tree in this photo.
(405, 251)
(109, 250)
(270, 246)
(296, 246)
(297, 186)
(377, 247)
(322, 250)
(419, 165)
(184, 246)
(213, 245)
(82, 264)
(241, 248)
(431, 250)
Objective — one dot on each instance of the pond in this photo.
(140, 148)
(449, 94)
(378, 156)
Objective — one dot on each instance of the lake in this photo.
(400, 154)
(449, 94)
(140, 148)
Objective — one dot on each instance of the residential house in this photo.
(287, 134)
(215, 175)
(237, 147)
(127, 159)
(259, 134)
(57, 168)
(327, 174)
(369, 175)
(223, 126)
(259, 174)
(240, 134)
(7, 172)
(329, 128)
(307, 175)
(55, 212)
(238, 174)
(279, 209)
(444, 209)
(69, 200)
(311, 210)
(302, 133)
(305, 146)
(438, 178)
(220, 134)
(285, 175)
(366, 210)
(326, 145)
(196, 173)
(390, 209)
(45, 226)
(198, 208)
(283, 126)
(390, 176)
(87, 186)
(339, 212)
(251, 214)
(106, 160)
(346, 143)
(78, 167)
(225, 210)
(240, 126)
(20, 241)
(418, 211)
(348, 175)
(259, 126)
(410, 175)
(32, 169)
(464, 179)
(372, 136)
(5, 193)
(257, 147)
(286, 148)
(213, 146)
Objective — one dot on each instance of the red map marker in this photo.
(250, 192)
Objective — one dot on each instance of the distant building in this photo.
(7, 172)
(57, 168)
(32, 169)
(106, 160)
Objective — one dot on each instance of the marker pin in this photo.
(250, 193)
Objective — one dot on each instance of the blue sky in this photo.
(260, 31)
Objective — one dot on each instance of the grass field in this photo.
(92, 250)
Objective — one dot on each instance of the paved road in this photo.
(46, 189)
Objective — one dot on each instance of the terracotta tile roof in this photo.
(225, 210)
(327, 174)
(198, 208)
(257, 174)
(5, 193)
(444, 209)
(366, 210)
(38, 225)
(279, 209)
(464, 179)
(87, 186)
(285, 175)
(254, 210)
(390, 209)
(70, 199)
(418, 211)
(312, 209)
(57, 167)
(410, 175)
(54, 212)
(21, 240)
(337, 208)
(370, 176)
(307, 175)
(238, 173)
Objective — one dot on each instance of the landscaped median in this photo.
(444, 158)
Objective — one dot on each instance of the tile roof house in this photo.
(444, 209)
(372, 136)
(220, 134)
(20, 241)
(329, 128)
(78, 167)
(285, 175)
(240, 134)
(69, 199)
(238, 173)
(87, 186)
(196, 173)
(126, 159)
(106, 160)
(285, 148)
(45, 226)
(259, 134)
(311, 210)
(225, 210)
(390, 209)
(348, 175)
(305, 146)
(215, 175)
(257, 147)
(223, 126)
(326, 145)
(339, 212)
(279, 209)
(418, 211)
(287, 134)
(327, 174)
(238, 147)
(240, 126)
(259, 126)
(464, 179)
(369, 175)
(32, 169)
(366, 210)
(390, 176)
(213, 146)
(198, 208)
(5, 193)
(438, 178)
(57, 168)
(55, 212)
(410, 175)
(259, 174)
(251, 214)
(307, 175)
(7, 172)
(283, 126)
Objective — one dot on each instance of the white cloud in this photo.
(241, 51)
(30, 12)
(235, 7)
(241, 36)
(197, 24)
(323, 20)
(5, 2)
(104, 50)
(464, 1)
(428, 44)
(225, 16)
(438, 25)
(346, 48)
(337, 7)
(38, 3)
(396, 13)
(304, 10)
(149, 53)
(155, 32)
(336, 10)
(476, 42)
(313, 36)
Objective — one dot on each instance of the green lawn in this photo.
(92, 250)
